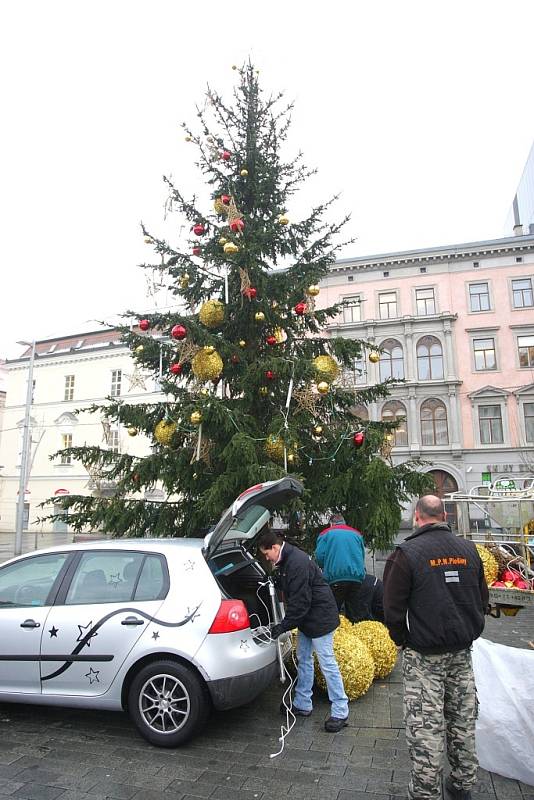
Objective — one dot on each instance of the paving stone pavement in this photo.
(63, 754)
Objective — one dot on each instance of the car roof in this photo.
(157, 545)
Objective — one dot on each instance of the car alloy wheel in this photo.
(168, 703)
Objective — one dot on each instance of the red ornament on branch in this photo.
(199, 229)
(178, 332)
(235, 359)
(269, 374)
(300, 309)
(358, 439)
(237, 225)
(271, 340)
(225, 198)
(144, 324)
(226, 155)
(196, 251)
(176, 369)
(251, 292)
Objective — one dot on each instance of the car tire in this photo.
(168, 703)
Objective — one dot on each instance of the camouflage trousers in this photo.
(440, 702)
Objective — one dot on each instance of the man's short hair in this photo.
(430, 506)
(337, 519)
(267, 539)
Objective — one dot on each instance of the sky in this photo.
(418, 112)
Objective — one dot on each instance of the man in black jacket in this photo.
(435, 599)
(310, 607)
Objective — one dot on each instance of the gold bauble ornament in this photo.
(184, 281)
(223, 240)
(317, 431)
(139, 348)
(280, 335)
(326, 367)
(374, 357)
(209, 349)
(274, 448)
(382, 647)
(148, 240)
(212, 313)
(230, 248)
(323, 387)
(164, 431)
(132, 431)
(242, 343)
(291, 458)
(489, 562)
(188, 139)
(283, 220)
(354, 659)
(196, 418)
(207, 366)
(219, 206)
(244, 173)
(313, 290)
(259, 316)
(204, 392)
(264, 391)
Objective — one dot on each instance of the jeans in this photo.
(324, 647)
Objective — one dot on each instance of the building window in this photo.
(479, 299)
(522, 293)
(525, 346)
(66, 442)
(116, 377)
(528, 409)
(425, 302)
(394, 411)
(113, 440)
(69, 387)
(355, 375)
(387, 305)
(434, 423)
(352, 312)
(429, 359)
(490, 425)
(391, 360)
(484, 350)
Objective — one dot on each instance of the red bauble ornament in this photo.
(225, 198)
(271, 340)
(178, 332)
(226, 155)
(521, 584)
(199, 229)
(251, 292)
(269, 375)
(509, 575)
(176, 369)
(498, 585)
(196, 251)
(234, 359)
(144, 324)
(358, 439)
(300, 308)
(237, 225)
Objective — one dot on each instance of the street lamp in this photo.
(26, 444)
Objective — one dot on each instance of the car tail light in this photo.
(231, 616)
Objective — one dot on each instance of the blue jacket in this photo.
(341, 554)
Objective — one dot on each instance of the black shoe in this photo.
(298, 712)
(456, 794)
(335, 724)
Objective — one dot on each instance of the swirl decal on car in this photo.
(93, 631)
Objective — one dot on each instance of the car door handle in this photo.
(132, 621)
(30, 623)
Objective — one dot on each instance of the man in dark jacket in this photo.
(310, 607)
(370, 604)
(435, 599)
(340, 552)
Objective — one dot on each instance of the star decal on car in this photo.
(93, 675)
(53, 632)
(83, 634)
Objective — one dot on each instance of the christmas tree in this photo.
(249, 372)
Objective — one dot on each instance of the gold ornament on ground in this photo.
(381, 645)
(212, 313)
(489, 562)
(164, 431)
(323, 387)
(354, 659)
(207, 366)
(326, 367)
(196, 418)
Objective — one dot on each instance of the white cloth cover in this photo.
(505, 726)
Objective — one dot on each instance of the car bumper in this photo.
(240, 689)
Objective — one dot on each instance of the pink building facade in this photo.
(456, 324)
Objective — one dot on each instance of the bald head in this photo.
(429, 509)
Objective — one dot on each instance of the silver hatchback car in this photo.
(163, 628)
